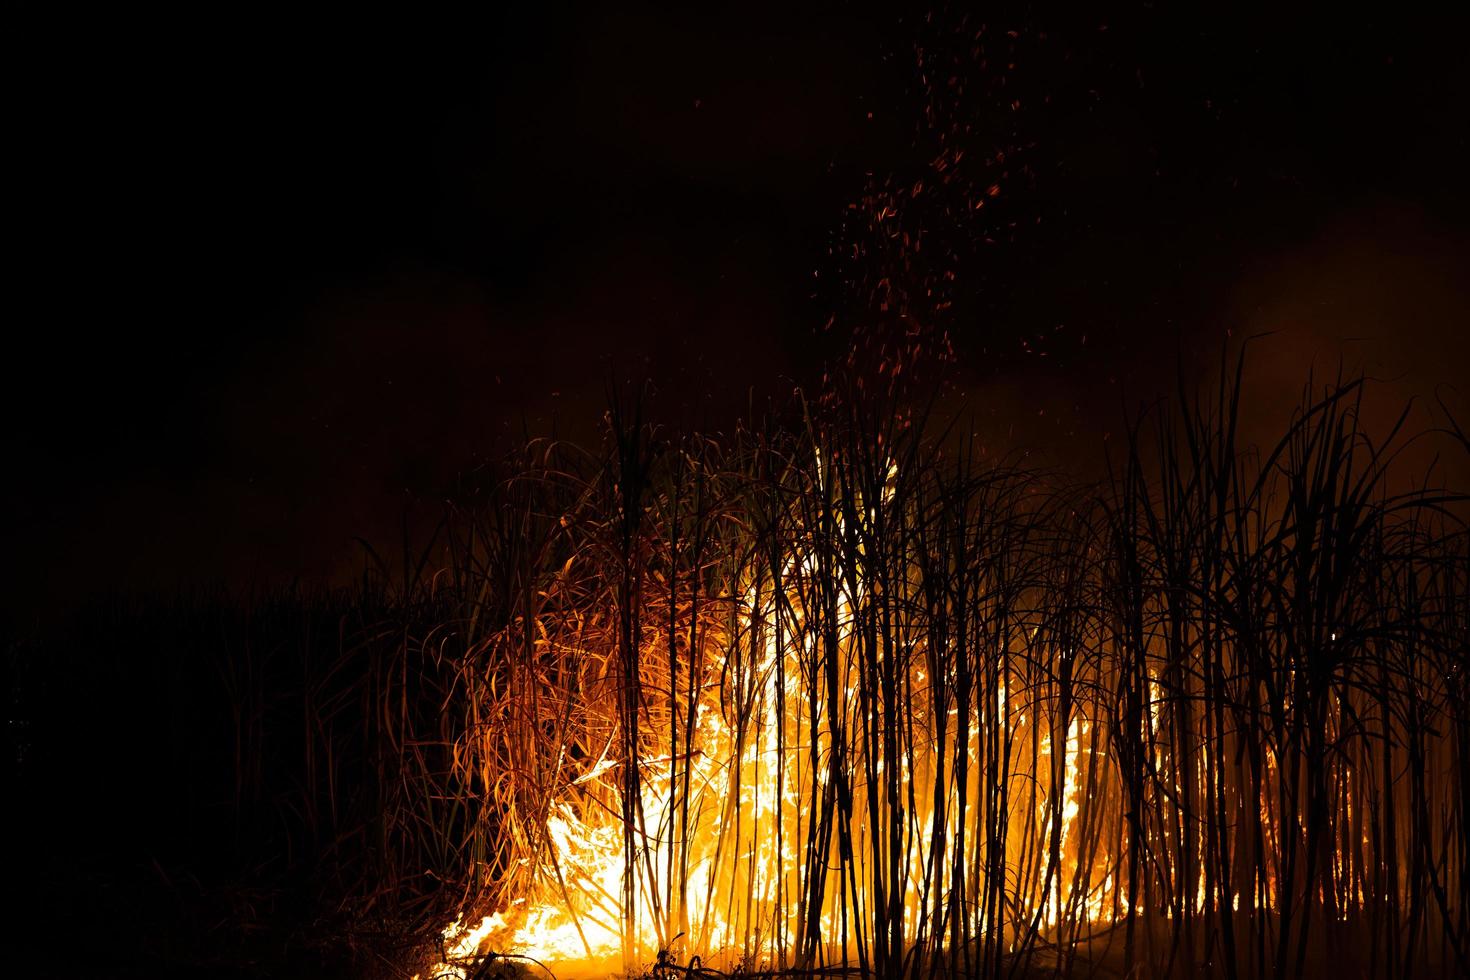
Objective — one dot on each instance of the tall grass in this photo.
(1207, 716)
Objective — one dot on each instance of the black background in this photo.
(277, 281)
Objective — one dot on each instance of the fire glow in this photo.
(848, 710)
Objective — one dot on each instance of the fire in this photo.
(756, 768)
(883, 719)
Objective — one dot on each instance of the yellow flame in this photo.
(758, 771)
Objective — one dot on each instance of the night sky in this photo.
(282, 281)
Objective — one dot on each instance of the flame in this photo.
(770, 820)
(752, 794)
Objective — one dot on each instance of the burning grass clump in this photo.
(842, 695)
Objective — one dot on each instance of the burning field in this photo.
(769, 594)
(841, 697)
